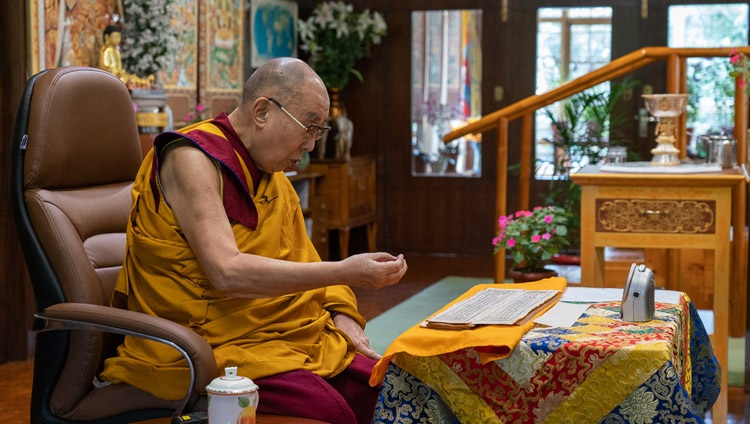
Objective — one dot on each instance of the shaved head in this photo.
(280, 78)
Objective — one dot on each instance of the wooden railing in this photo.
(525, 110)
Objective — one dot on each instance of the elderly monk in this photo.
(217, 242)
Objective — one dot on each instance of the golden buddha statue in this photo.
(111, 61)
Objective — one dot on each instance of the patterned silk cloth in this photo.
(601, 370)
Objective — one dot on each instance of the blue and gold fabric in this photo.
(601, 370)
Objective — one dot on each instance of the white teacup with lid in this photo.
(232, 399)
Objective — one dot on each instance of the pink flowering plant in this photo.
(197, 116)
(740, 67)
(532, 237)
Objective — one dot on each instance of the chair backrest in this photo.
(75, 154)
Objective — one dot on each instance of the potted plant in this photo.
(532, 238)
(583, 126)
(336, 37)
(195, 117)
(740, 67)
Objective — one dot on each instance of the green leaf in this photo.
(357, 74)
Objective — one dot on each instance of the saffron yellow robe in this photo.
(161, 276)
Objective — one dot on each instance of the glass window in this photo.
(446, 76)
(710, 107)
(571, 42)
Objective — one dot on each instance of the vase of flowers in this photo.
(532, 238)
(336, 37)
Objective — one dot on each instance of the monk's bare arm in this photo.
(191, 185)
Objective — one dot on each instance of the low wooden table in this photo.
(671, 211)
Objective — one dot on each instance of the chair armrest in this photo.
(195, 349)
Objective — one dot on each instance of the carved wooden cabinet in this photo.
(671, 211)
(350, 197)
(663, 215)
(310, 189)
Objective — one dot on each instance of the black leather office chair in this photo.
(75, 153)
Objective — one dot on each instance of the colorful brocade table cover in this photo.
(601, 370)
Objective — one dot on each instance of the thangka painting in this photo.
(68, 32)
(185, 21)
(224, 39)
(273, 30)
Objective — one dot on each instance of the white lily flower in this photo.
(341, 27)
(346, 35)
(379, 25)
(306, 29)
(324, 15)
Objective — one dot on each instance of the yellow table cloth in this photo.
(490, 341)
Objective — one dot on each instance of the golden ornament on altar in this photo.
(666, 107)
(111, 61)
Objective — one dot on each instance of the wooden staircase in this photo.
(525, 110)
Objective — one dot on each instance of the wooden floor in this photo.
(15, 377)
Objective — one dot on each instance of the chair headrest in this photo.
(82, 130)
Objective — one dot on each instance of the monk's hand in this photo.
(352, 329)
(373, 270)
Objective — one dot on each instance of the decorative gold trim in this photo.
(656, 216)
(149, 119)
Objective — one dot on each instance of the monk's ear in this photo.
(260, 111)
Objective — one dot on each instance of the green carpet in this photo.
(384, 328)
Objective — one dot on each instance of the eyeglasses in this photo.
(314, 131)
